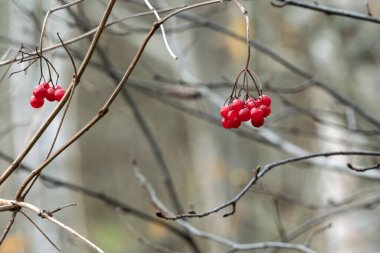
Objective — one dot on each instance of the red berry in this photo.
(224, 111)
(232, 115)
(258, 102)
(266, 100)
(225, 123)
(50, 95)
(257, 115)
(234, 123)
(250, 103)
(59, 94)
(233, 119)
(266, 110)
(36, 102)
(57, 87)
(44, 85)
(237, 104)
(257, 123)
(244, 114)
(39, 92)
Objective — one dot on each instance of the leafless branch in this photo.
(327, 10)
(39, 229)
(231, 203)
(352, 167)
(8, 227)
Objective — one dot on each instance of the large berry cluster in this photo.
(254, 109)
(44, 90)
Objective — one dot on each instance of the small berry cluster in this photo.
(254, 109)
(44, 90)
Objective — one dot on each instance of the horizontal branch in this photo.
(327, 10)
(270, 166)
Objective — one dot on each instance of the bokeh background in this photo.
(178, 101)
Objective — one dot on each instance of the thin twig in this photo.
(327, 10)
(39, 229)
(47, 16)
(271, 166)
(50, 213)
(231, 203)
(8, 227)
(354, 168)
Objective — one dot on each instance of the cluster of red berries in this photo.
(44, 90)
(254, 109)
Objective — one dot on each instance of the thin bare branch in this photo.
(39, 229)
(8, 227)
(327, 10)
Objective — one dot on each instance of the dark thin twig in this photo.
(270, 166)
(39, 229)
(352, 167)
(8, 227)
(232, 203)
(369, 12)
(327, 10)
(50, 213)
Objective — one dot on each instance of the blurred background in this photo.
(320, 70)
